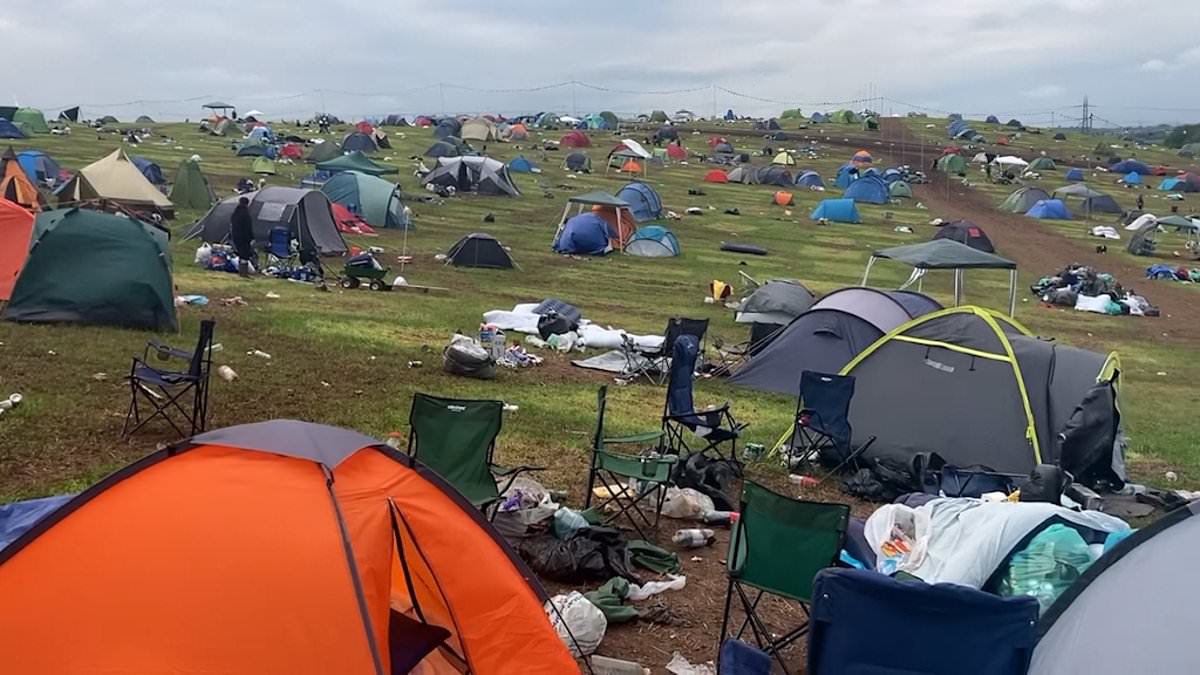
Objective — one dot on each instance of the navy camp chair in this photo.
(653, 364)
(866, 622)
(822, 424)
(156, 392)
(710, 429)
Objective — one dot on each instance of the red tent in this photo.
(365, 127)
(292, 151)
(422, 121)
(575, 139)
(716, 176)
(714, 141)
(349, 223)
(676, 152)
(16, 228)
(1002, 140)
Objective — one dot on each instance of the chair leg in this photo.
(725, 616)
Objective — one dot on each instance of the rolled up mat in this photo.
(749, 249)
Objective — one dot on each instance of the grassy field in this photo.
(341, 358)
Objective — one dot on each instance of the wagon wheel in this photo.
(349, 282)
(378, 285)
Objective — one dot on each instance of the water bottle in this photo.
(719, 518)
(259, 353)
(226, 373)
(693, 538)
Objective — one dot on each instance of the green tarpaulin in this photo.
(945, 254)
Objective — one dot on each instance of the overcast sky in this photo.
(1137, 61)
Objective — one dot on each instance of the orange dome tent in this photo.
(631, 166)
(862, 158)
(621, 226)
(14, 184)
(716, 176)
(783, 198)
(273, 548)
(16, 229)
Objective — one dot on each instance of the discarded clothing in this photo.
(592, 553)
(654, 558)
(610, 599)
(523, 319)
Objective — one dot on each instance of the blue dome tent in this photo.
(1131, 165)
(653, 241)
(1132, 178)
(150, 170)
(1049, 208)
(837, 210)
(9, 130)
(39, 167)
(847, 174)
(584, 234)
(644, 202)
(892, 175)
(810, 179)
(520, 164)
(1075, 174)
(868, 189)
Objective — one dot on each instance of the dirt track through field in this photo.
(1036, 249)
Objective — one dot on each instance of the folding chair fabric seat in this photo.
(654, 364)
(165, 392)
(715, 427)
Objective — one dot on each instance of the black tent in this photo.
(323, 152)
(774, 175)
(442, 149)
(966, 232)
(447, 127)
(479, 250)
(578, 161)
(357, 141)
(69, 115)
(666, 134)
(7, 112)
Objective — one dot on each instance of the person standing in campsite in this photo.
(241, 231)
(1141, 203)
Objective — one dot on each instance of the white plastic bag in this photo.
(652, 588)
(681, 666)
(579, 623)
(686, 504)
(899, 536)
(203, 254)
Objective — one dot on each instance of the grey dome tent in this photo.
(1091, 200)
(323, 152)
(991, 394)
(479, 250)
(305, 213)
(1024, 198)
(743, 174)
(482, 175)
(578, 161)
(1130, 612)
(966, 232)
(357, 141)
(773, 175)
(653, 241)
(442, 149)
(777, 302)
(944, 254)
(826, 337)
(898, 189)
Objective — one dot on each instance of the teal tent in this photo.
(374, 199)
(356, 161)
(96, 268)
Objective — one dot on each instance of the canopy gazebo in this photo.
(615, 210)
(946, 254)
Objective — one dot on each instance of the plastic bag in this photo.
(1052, 561)
(899, 536)
(681, 666)
(686, 504)
(651, 588)
(567, 522)
(579, 623)
(203, 254)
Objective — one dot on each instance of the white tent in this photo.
(636, 148)
(1009, 160)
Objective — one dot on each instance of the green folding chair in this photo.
(778, 546)
(618, 473)
(457, 439)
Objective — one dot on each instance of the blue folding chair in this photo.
(156, 392)
(822, 424)
(866, 622)
(709, 429)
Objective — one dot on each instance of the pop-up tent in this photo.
(1075, 174)
(643, 200)
(375, 200)
(306, 214)
(356, 161)
(482, 175)
(868, 189)
(521, 164)
(1049, 208)
(829, 335)
(479, 250)
(653, 241)
(584, 234)
(945, 254)
(776, 302)
(31, 119)
(115, 179)
(993, 395)
(191, 189)
(1023, 198)
(716, 176)
(616, 214)
(578, 161)
(10, 130)
(836, 210)
(16, 230)
(810, 179)
(900, 189)
(1131, 166)
(952, 163)
(150, 169)
(1135, 596)
(263, 166)
(1042, 164)
(276, 547)
(575, 139)
(95, 268)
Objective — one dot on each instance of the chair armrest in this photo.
(503, 472)
(644, 437)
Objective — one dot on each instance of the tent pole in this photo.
(867, 272)
(1012, 292)
(957, 287)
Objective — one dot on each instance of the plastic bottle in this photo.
(803, 481)
(694, 538)
(259, 353)
(226, 373)
(393, 440)
(498, 341)
(719, 518)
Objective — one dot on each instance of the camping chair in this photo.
(778, 546)
(866, 622)
(822, 422)
(653, 363)
(629, 481)
(279, 247)
(156, 392)
(457, 439)
(680, 420)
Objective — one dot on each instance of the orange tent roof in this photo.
(16, 229)
(716, 176)
(783, 198)
(621, 224)
(631, 167)
(274, 548)
(14, 184)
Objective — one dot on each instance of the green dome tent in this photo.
(953, 163)
(659, 116)
(191, 189)
(264, 166)
(95, 268)
(1042, 164)
(32, 119)
(900, 189)
(356, 161)
(376, 200)
(323, 152)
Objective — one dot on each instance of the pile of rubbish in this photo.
(1167, 273)
(1089, 290)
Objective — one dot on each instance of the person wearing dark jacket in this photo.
(241, 232)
